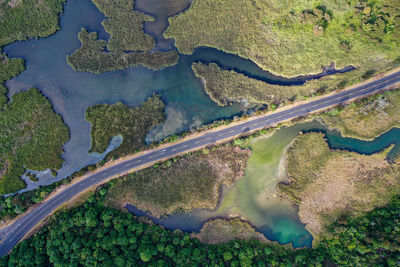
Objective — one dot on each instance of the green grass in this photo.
(291, 38)
(367, 118)
(132, 123)
(31, 137)
(92, 57)
(225, 86)
(328, 184)
(192, 182)
(23, 19)
(125, 26)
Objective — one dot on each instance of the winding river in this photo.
(187, 107)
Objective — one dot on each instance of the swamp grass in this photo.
(118, 119)
(291, 38)
(93, 57)
(186, 183)
(20, 20)
(328, 184)
(31, 137)
(360, 119)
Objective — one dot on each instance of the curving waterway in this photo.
(254, 196)
(187, 106)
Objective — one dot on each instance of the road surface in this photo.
(22, 226)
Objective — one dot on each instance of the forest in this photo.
(92, 234)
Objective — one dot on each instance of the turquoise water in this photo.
(252, 197)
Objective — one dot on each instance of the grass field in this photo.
(190, 182)
(23, 19)
(31, 137)
(219, 231)
(328, 184)
(368, 118)
(132, 123)
(291, 38)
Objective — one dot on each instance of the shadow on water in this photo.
(252, 197)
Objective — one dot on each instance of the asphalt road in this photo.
(16, 231)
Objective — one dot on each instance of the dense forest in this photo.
(92, 234)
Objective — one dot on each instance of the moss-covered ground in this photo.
(118, 119)
(190, 182)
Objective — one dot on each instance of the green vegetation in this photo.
(31, 137)
(132, 123)
(92, 234)
(219, 231)
(13, 205)
(125, 26)
(224, 86)
(328, 184)
(359, 119)
(190, 182)
(291, 38)
(92, 57)
(23, 19)
(128, 45)
(9, 68)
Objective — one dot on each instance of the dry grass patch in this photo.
(329, 184)
(190, 182)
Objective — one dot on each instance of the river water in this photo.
(187, 104)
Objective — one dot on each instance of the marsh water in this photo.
(254, 196)
(187, 105)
